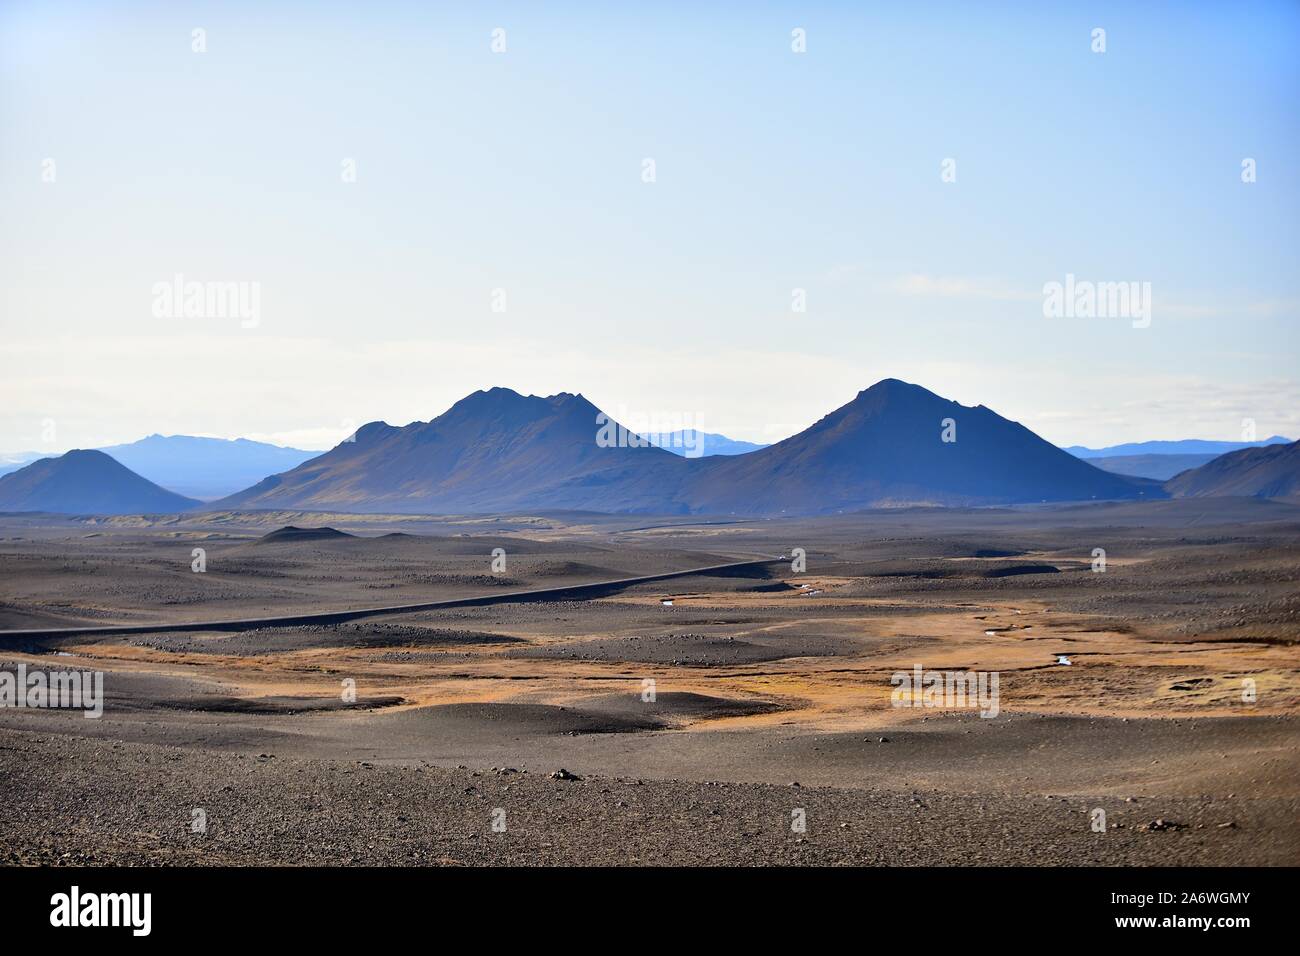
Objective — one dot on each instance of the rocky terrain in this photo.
(694, 732)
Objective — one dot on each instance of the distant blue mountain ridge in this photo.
(693, 443)
(203, 468)
(1185, 446)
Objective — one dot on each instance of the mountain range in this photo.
(1159, 467)
(693, 443)
(1163, 460)
(1184, 446)
(894, 445)
(206, 467)
(203, 468)
(500, 451)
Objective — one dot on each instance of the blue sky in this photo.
(521, 171)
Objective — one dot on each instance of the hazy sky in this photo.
(524, 171)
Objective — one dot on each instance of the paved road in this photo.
(570, 592)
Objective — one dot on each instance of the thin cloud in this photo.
(959, 287)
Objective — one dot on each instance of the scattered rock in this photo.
(1159, 825)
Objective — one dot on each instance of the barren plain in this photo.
(752, 721)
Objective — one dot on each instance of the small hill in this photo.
(289, 533)
(84, 481)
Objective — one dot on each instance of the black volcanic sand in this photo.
(678, 706)
(271, 808)
(132, 695)
(705, 773)
(145, 707)
(690, 648)
(60, 576)
(621, 734)
(645, 615)
(487, 722)
(279, 640)
(274, 705)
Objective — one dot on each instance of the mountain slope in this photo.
(501, 451)
(885, 448)
(12, 461)
(85, 482)
(495, 450)
(1269, 472)
(1159, 467)
(205, 467)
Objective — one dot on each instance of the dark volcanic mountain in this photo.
(1269, 472)
(499, 451)
(85, 482)
(492, 451)
(885, 449)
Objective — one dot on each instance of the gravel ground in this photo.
(757, 687)
(78, 801)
